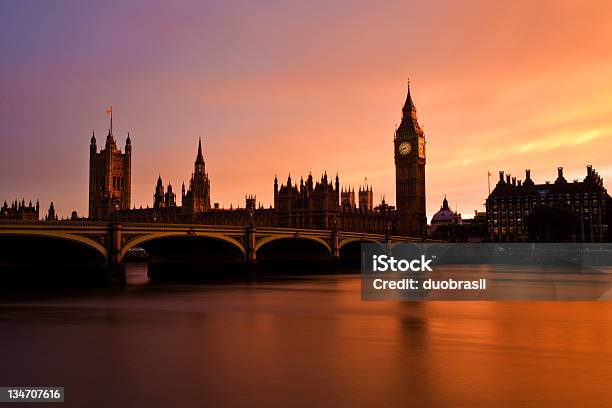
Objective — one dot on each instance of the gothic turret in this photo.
(51, 216)
(128, 144)
(275, 186)
(366, 198)
(337, 198)
(158, 197)
(197, 198)
(409, 124)
(110, 141)
(170, 197)
(199, 163)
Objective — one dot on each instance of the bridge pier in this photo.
(335, 245)
(250, 239)
(116, 269)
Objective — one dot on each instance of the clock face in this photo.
(422, 148)
(404, 148)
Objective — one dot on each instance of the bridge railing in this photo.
(52, 224)
(127, 226)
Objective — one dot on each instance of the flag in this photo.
(489, 173)
(109, 110)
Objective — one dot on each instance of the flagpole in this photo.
(489, 181)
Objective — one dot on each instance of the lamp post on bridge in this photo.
(116, 270)
(335, 244)
(250, 238)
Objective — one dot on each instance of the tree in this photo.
(455, 232)
(449, 233)
(478, 228)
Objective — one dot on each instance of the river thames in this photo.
(302, 341)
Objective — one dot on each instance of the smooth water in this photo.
(306, 341)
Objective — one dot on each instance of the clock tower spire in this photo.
(409, 144)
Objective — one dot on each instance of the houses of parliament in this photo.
(323, 203)
(311, 203)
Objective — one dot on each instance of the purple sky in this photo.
(279, 87)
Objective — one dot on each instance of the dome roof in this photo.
(445, 215)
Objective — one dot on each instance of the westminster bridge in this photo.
(55, 244)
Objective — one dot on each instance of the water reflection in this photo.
(308, 341)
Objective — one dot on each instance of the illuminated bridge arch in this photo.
(150, 237)
(99, 248)
(272, 238)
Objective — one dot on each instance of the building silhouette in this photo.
(366, 198)
(409, 146)
(512, 201)
(51, 215)
(161, 200)
(309, 205)
(347, 198)
(110, 173)
(197, 198)
(320, 204)
(20, 211)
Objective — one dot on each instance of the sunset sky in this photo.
(278, 87)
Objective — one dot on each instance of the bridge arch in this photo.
(347, 241)
(150, 237)
(350, 250)
(50, 258)
(264, 241)
(289, 253)
(99, 248)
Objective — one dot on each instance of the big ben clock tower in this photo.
(409, 143)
